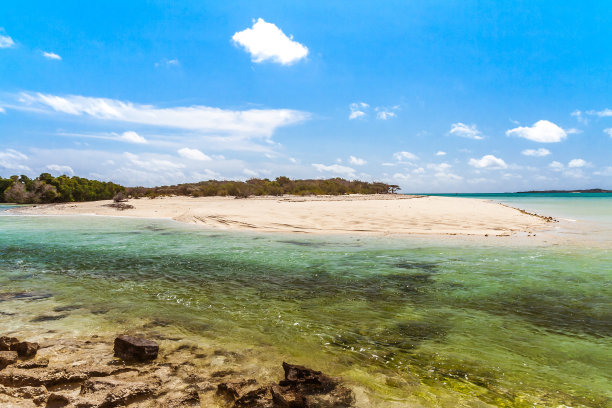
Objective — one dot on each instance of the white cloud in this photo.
(606, 171)
(440, 153)
(11, 159)
(403, 156)
(293, 160)
(602, 113)
(542, 131)
(444, 176)
(168, 63)
(252, 122)
(6, 41)
(2, 110)
(152, 163)
(51, 55)
(192, 154)
(132, 137)
(60, 169)
(556, 166)
(536, 152)
(250, 173)
(488, 161)
(357, 161)
(440, 168)
(419, 170)
(266, 42)
(385, 115)
(463, 130)
(335, 168)
(402, 177)
(608, 131)
(577, 163)
(580, 117)
(358, 110)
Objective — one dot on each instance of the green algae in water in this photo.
(434, 325)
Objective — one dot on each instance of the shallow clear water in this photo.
(410, 322)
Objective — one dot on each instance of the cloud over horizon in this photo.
(251, 122)
(543, 131)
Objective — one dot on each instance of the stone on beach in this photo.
(132, 348)
(7, 358)
(6, 343)
(26, 349)
(301, 388)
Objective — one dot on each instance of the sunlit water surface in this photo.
(406, 322)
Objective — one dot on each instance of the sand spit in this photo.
(353, 214)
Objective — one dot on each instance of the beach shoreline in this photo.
(351, 214)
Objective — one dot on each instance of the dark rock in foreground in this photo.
(6, 343)
(25, 349)
(301, 388)
(131, 348)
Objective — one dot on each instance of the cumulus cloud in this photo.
(59, 169)
(577, 163)
(463, 130)
(358, 110)
(252, 122)
(250, 173)
(556, 166)
(536, 152)
(266, 42)
(542, 131)
(11, 159)
(2, 110)
(131, 137)
(404, 156)
(51, 55)
(6, 41)
(608, 131)
(357, 161)
(606, 171)
(335, 168)
(440, 153)
(192, 154)
(488, 162)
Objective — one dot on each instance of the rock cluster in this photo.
(92, 374)
(301, 388)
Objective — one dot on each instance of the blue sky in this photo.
(436, 96)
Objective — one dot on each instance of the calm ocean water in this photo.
(405, 321)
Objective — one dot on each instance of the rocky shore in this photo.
(134, 371)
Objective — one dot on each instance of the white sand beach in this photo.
(353, 214)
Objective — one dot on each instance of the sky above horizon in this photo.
(436, 96)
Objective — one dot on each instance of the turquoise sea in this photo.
(410, 321)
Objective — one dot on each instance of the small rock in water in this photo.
(6, 343)
(131, 348)
(25, 349)
(7, 358)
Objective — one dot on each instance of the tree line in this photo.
(48, 189)
(265, 187)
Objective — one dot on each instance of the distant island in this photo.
(592, 190)
(46, 189)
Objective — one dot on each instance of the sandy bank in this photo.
(355, 214)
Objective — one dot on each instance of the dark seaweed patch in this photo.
(552, 311)
(431, 267)
(48, 318)
(67, 308)
(23, 296)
